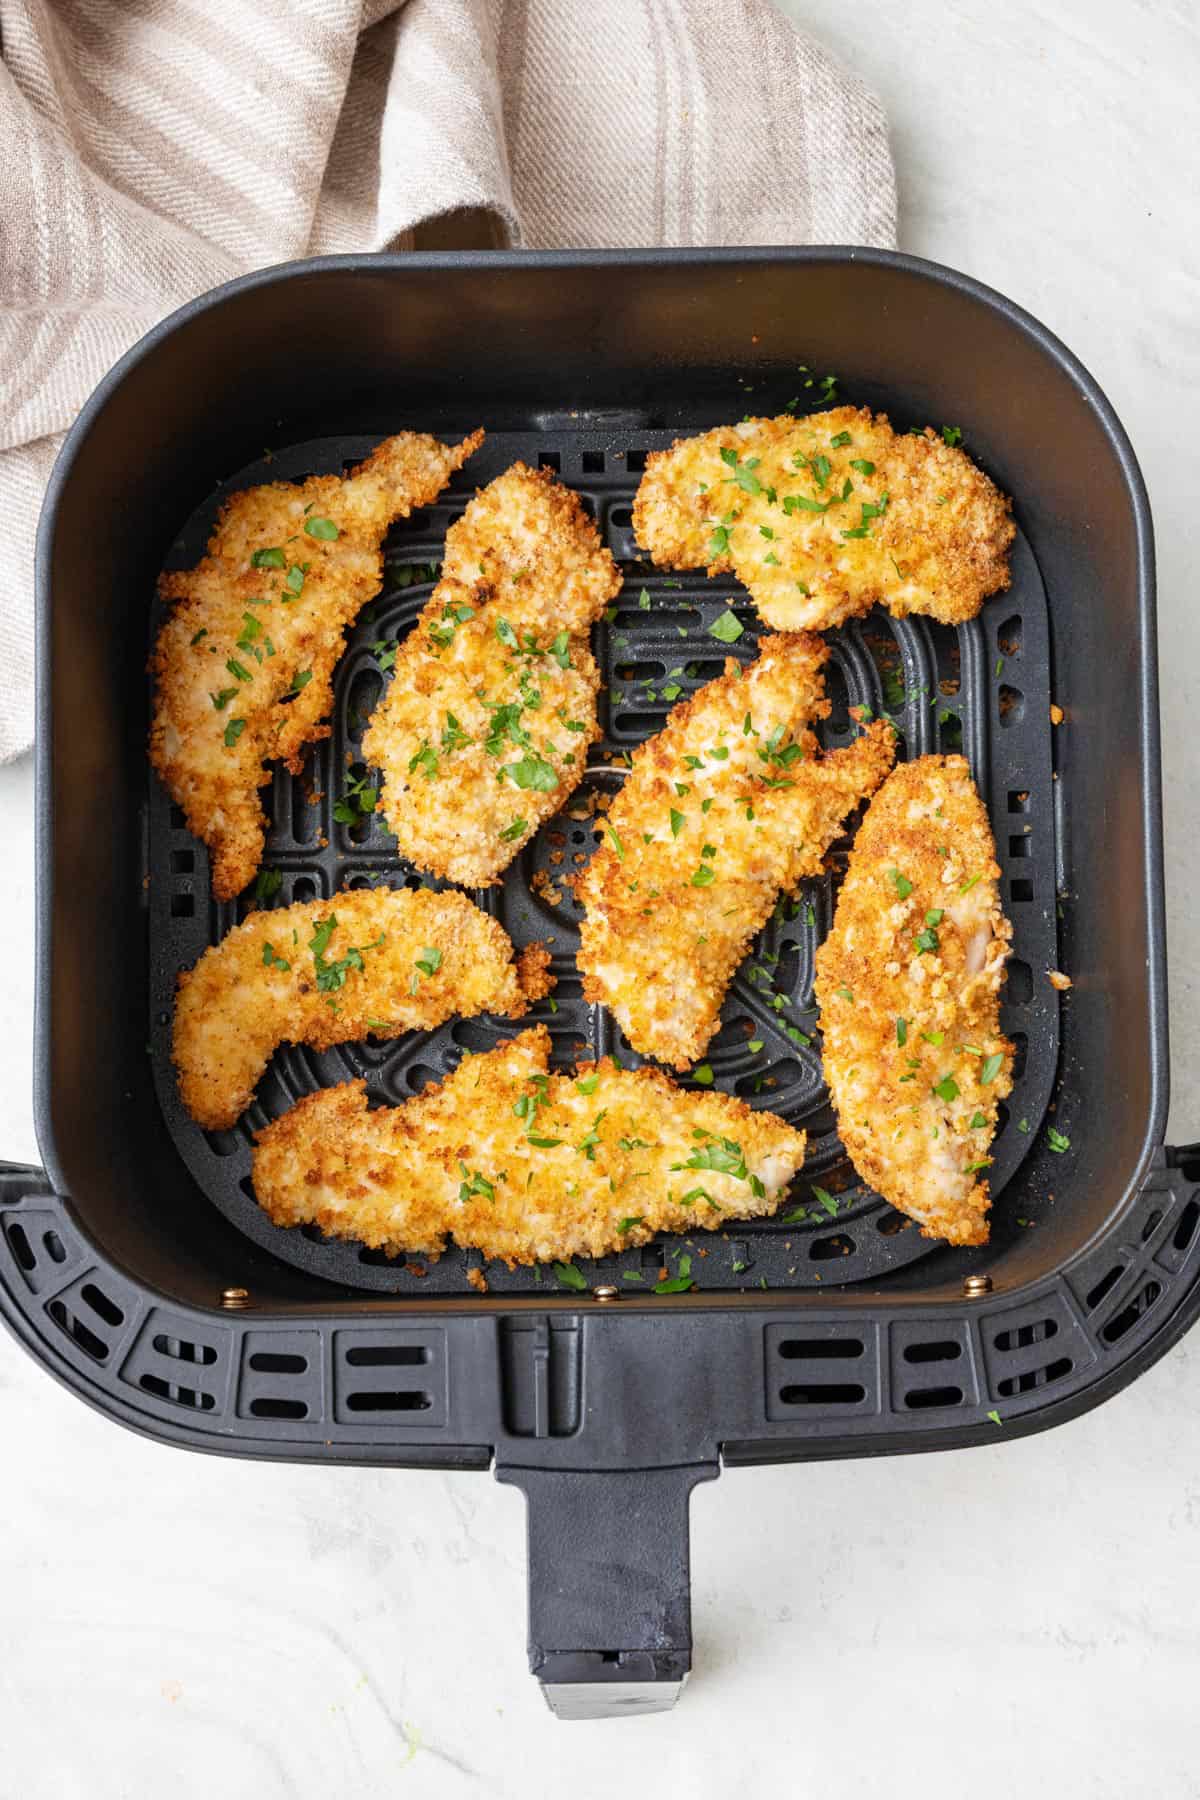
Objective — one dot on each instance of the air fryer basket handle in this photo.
(610, 1617)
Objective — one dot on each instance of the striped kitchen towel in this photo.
(150, 149)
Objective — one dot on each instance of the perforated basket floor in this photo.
(984, 688)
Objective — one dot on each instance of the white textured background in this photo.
(978, 1622)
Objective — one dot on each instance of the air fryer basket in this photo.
(139, 1268)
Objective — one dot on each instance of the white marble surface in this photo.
(173, 1625)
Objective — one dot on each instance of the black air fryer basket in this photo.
(138, 1267)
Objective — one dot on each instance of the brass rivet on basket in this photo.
(235, 1297)
(604, 1293)
(976, 1286)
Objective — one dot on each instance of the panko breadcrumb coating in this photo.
(506, 1158)
(729, 806)
(243, 667)
(823, 517)
(373, 961)
(909, 983)
(485, 729)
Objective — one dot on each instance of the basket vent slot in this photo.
(823, 1393)
(821, 1349)
(823, 1249)
(1185, 1231)
(1029, 1379)
(22, 1249)
(1019, 1337)
(1124, 1321)
(942, 1350)
(933, 1397)
(386, 1356)
(75, 1328)
(385, 1376)
(184, 1349)
(1104, 1286)
(383, 1400)
(195, 1398)
(271, 1406)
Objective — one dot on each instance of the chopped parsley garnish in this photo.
(332, 975)
(991, 1068)
(587, 1083)
(361, 798)
(221, 700)
(426, 760)
(754, 1046)
(474, 1184)
(1057, 1142)
(644, 600)
(946, 1089)
(902, 1032)
(1023, 1125)
(272, 959)
(728, 628)
(933, 1037)
(901, 883)
(844, 993)
(703, 1074)
(862, 465)
(617, 845)
(678, 821)
(531, 771)
(703, 876)
(870, 510)
(236, 668)
(810, 915)
(430, 960)
(233, 732)
(513, 831)
(507, 635)
(268, 885)
(927, 941)
(677, 1284)
(202, 633)
(560, 649)
(325, 529)
(294, 579)
(442, 631)
(300, 680)
(453, 735)
(952, 434)
(977, 1123)
(995, 1417)
(827, 1201)
(968, 885)
(743, 472)
(624, 1225)
(268, 559)
(840, 441)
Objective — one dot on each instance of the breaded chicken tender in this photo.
(506, 1158)
(485, 729)
(909, 986)
(823, 517)
(243, 667)
(373, 961)
(729, 806)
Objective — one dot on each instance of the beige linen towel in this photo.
(150, 149)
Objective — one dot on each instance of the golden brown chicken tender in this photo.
(485, 729)
(373, 961)
(729, 806)
(243, 667)
(506, 1158)
(823, 517)
(909, 982)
